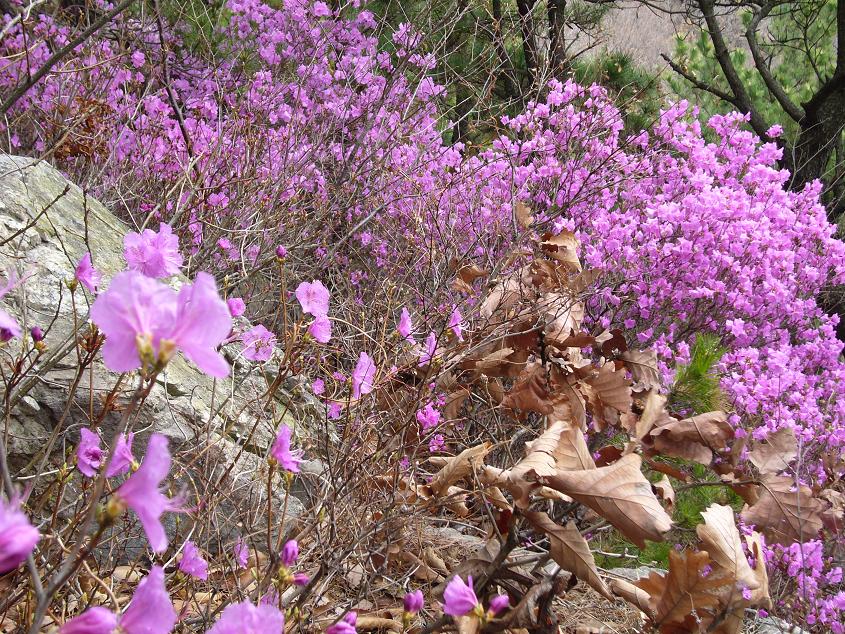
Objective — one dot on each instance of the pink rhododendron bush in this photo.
(443, 379)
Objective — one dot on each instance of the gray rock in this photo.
(772, 625)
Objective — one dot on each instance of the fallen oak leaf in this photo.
(776, 453)
(695, 438)
(720, 537)
(458, 468)
(570, 550)
(785, 516)
(637, 597)
(619, 493)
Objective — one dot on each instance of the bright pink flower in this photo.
(245, 618)
(142, 492)
(87, 275)
(149, 612)
(241, 552)
(498, 603)
(123, 458)
(318, 386)
(89, 455)
(281, 252)
(153, 254)
(456, 324)
(413, 602)
(192, 561)
(17, 536)
(313, 297)
(427, 355)
(138, 59)
(139, 311)
(36, 333)
(301, 579)
(405, 326)
(459, 598)
(321, 329)
(290, 552)
(345, 626)
(428, 416)
(259, 343)
(281, 451)
(363, 376)
(236, 306)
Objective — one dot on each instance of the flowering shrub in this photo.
(288, 147)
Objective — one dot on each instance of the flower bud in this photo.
(281, 252)
(290, 552)
(37, 334)
(498, 603)
(413, 602)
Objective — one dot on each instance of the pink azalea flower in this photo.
(459, 598)
(89, 455)
(498, 603)
(139, 311)
(290, 552)
(153, 254)
(363, 376)
(245, 618)
(455, 323)
(142, 492)
(428, 416)
(335, 409)
(318, 386)
(236, 306)
(301, 579)
(281, 451)
(313, 297)
(413, 602)
(9, 328)
(149, 612)
(345, 626)
(259, 343)
(427, 355)
(405, 327)
(192, 562)
(17, 536)
(122, 459)
(241, 552)
(321, 329)
(87, 275)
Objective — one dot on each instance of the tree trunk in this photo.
(529, 43)
(557, 41)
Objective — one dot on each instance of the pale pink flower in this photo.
(9, 327)
(427, 355)
(18, 536)
(456, 324)
(281, 451)
(313, 297)
(142, 492)
(236, 306)
(192, 562)
(413, 602)
(459, 597)
(241, 552)
(246, 618)
(290, 552)
(259, 343)
(87, 275)
(318, 386)
(498, 603)
(345, 626)
(139, 311)
(321, 329)
(155, 254)
(149, 612)
(405, 326)
(89, 455)
(363, 376)
(122, 459)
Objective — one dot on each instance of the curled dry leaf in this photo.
(776, 452)
(620, 494)
(637, 597)
(564, 248)
(523, 215)
(609, 395)
(377, 624)
(570, 550)
(527, 613)
(693, 438)
(530, 393)
(685, 589)
(654, 415)
(466, 276)
(721, 539)
(785, 514)
(561, 446)
(458, 468)
(642, 364)
(666, 492)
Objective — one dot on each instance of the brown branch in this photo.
(697, 82)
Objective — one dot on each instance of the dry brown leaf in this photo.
(458, 468)
(642, 364)
(654, 414)
(721, 539)
(610, 389)
(523, 215)
(666, 493)
(377, 624)
(566, 394)
(570, 550)
(684, 589)
(454, 402)
(530, 392)
(776, 453)
(420, 569)
(467, 624)
(785, 516)
(693, 438)
(637, 597)
(563, 247)
(759, 597)
(526, 614)
(619, 493)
